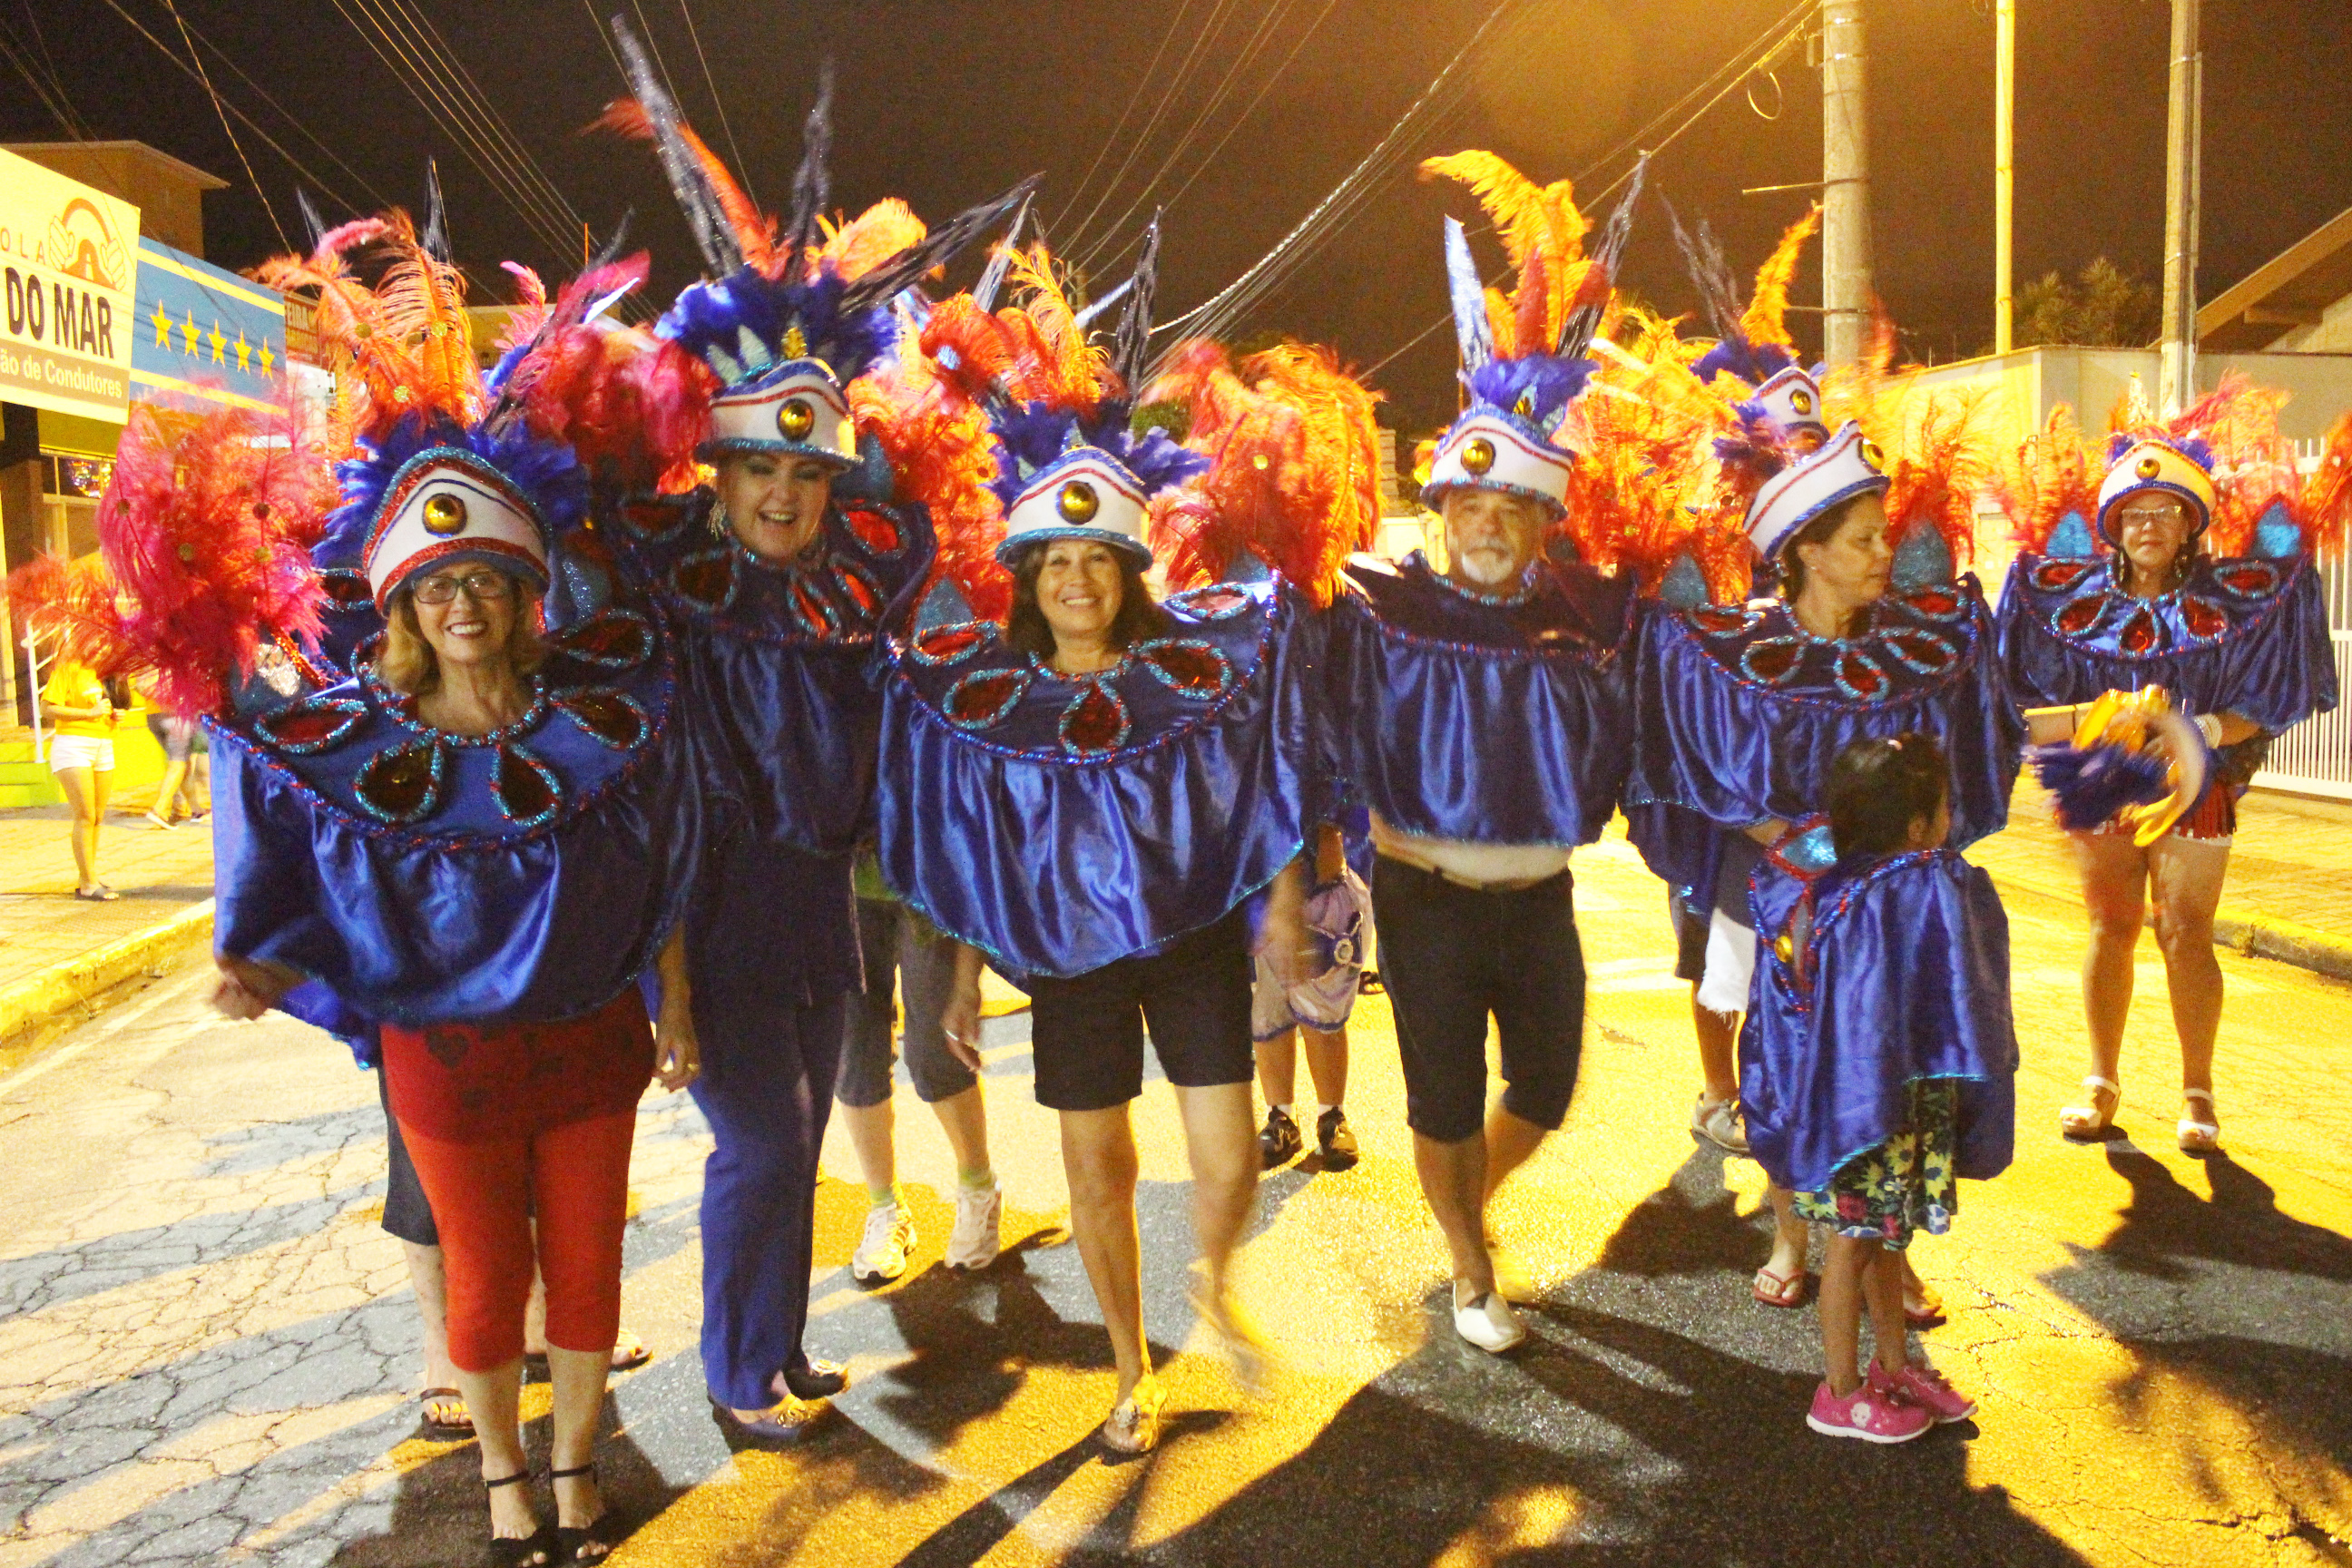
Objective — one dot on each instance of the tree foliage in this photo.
(2101, 307)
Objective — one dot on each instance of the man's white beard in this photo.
(1487, 568)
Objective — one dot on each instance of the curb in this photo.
(2265, 936)
(68, 993)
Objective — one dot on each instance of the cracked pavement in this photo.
(208, 1349)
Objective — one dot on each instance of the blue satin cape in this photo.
(2246, 637)
(1738, 712)
(1060, 824)
(1495, 719)
(781, 667)
(420, 879)
(1903, 975)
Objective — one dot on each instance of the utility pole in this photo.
(1845, 184)
(2004, 178)
(2176, 351)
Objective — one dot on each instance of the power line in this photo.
(1133, 98)
(202, 75)
(1175, 85)
(61, 109)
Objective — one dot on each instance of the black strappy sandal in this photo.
(517, 1551)
(572, 1540)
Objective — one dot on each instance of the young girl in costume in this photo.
(1886, 1070)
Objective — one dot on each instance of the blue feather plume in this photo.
(547, 472)
(2091, 785)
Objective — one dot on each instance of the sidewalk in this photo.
(58, 952)
(2289, 893)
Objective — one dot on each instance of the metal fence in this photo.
(2316, 756)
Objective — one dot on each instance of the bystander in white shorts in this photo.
(95, 753)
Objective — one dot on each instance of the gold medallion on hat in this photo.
(1477, 455)
(444, 514)
(795, 419)
(1077, 502)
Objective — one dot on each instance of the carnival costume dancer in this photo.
(2187, 567)
(1295, 488)
(1481, 714)
(778, 578)
(1739, 707)
(1090, 793)
(478, 842)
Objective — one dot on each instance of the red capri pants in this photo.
(510, 1124)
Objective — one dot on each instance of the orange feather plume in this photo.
(855, 247)
(1543, 235)
(936, 441)
(755, 232)
(1766, 319)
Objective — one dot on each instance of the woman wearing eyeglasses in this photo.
(2199, 581)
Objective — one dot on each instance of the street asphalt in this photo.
(208, 1348)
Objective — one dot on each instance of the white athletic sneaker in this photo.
(1489, 1322)
(882, 1252)
(977, 1238)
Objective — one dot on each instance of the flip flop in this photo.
(1786, 1291)
(462, 1426)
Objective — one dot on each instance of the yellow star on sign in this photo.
(244, 351)
(269, 360)
(188, 333)
(163, 326)
(220, 344)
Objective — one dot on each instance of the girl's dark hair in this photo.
(1025, 631)
(1818, 532)
(1879, 787)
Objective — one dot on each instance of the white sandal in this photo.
(2198, 1137)
(2087, 1121)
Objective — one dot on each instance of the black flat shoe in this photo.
(519, 1551)
(573, 1542)
(820, 1379)
(1335, 1141)
(1278, 1141)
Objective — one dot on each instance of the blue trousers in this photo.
(766, 1098)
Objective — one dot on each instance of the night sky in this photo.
(944, 102)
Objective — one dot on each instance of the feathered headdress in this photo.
(1523, 354)
(1063, 461)
(791, 315)
(2223, 455)
(1294, 466)
(204, 535)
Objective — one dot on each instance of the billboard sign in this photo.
(69, 258)
(205, 338)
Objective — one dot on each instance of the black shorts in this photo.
(407, 1214)
(1450, 956)
(1690, 938)
(1086, 1033)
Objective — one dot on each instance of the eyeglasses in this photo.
(2148, 516)
(479, 587)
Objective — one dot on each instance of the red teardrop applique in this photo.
(945, 645)
(525, 790)
(1858, 674)
(877, 530)
(816, 616)
(615, 639)
(312, 725)
(2205, 619)
(1935, 600)
(2138, 632)
(2248, 579)
(985, 696)
(608, 715)
(1095, 721)
(2056, 576)
(1923, 652)
(863, 593)
(346, 589)
(1195, 669)
(2076, 616)
(1772, 660)
(1213, 602)
(403, 785)
(706, 578)
(654, 519)
(1718, 620)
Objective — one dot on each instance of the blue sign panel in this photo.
(205, 338)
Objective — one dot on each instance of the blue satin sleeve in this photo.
(1907, 977)
(2269, 657)
(1715, 737)
(1057, 864)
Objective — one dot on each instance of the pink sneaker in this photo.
(1927, 1388)
(1871, 1413)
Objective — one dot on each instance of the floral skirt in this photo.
(1903, 1186)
